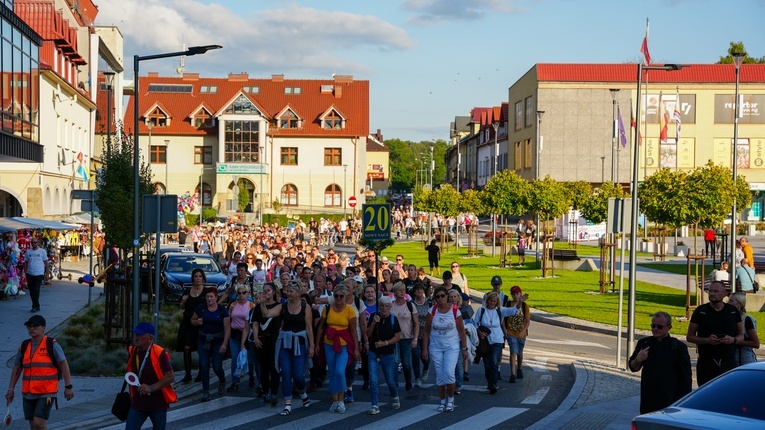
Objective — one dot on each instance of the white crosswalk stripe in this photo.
(486, 419)
(324, 418)
(402, 419)
(197, 409)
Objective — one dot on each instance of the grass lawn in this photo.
(570, 293)
(680, 269)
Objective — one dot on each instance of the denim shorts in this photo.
(516, 344)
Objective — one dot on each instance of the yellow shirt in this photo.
(339, 321)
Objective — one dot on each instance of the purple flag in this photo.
(622, 135)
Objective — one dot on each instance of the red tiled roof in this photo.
(375, 146)
(692, 73)
(352, 102)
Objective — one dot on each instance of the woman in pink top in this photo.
(240, 312)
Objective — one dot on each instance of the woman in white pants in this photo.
(442, 342)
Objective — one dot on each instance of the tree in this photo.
(421, 200)
(472, 201)
(506, 194)
(548, 198)
(738, 47)
(444, 201)
(244, 195)
(114, 191)
(663, 197)
(595, 207)
(407, 158)
(577, 193)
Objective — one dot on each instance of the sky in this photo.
(427, 61)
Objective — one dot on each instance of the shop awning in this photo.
(43, 223)
(8, 225)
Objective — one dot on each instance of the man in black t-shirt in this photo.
(716, 328)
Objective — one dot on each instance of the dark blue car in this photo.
(176, 270)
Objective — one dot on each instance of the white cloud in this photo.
(430, 11)
(292, 38)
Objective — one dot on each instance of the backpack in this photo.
(434, 308)
(49, 346)
(483, 311)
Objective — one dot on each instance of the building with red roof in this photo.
(300, 142)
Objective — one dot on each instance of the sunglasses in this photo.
(242, 292)
(440, 296)
(657, 326)
(399, 259)
(455, 267)
(339, 296)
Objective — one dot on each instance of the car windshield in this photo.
(738, 393)
(187, 263)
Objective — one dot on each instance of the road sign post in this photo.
(352, 201)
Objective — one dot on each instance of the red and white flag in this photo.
(644, 46)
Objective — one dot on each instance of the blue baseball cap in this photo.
(144, 328)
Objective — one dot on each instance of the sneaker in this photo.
(349, 396)
(408, 385)
(449, 407)
(512, 379)
(493, 389)
(424, 375)
(334, 407)
(396, 403)
(441, 407)
(233, 388)
(274, 400)
(22, 293)
(458, 391)
(365, 386)
(259, 391)
(418, 382)
(520, 373)
(340, 408)
(206, 396)
(221, 388)
(374, 410)
(466, 377)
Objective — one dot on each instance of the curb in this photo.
(580, 379)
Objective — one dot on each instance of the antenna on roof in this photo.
(182, 59)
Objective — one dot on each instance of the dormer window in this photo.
(289, 120)
(333, 121)
(157, 118)
(203, 119)
(242, 105)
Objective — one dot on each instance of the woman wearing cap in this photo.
(444, 338)
(517, 328)
(294, 344)
(188, 332)
(338, 323)
(490, 316)
(214, 333)
(151, 399)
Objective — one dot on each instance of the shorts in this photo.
(522, 252)
(38, 408)
(433, 263)
(516, 344)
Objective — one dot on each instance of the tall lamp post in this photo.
(613, 91)
(738, 59)
(262, 191)
(537, 175)
(635, 205)
(345, 197)
(494, 125)
(109, 76)
(194, 50)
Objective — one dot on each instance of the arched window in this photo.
(333, 196)
(289, 195)
(207, 195)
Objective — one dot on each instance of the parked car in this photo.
(730, 401)
(175, 275)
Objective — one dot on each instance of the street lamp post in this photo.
(603, 169)
(109, 75)
(262, 191)
(540, 114)
(345, 196)
(494, 125)
(194, 50)
(635, 205)
(613, 91)
(738, 59)
(167, 165)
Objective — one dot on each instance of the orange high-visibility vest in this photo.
(40, 374)
(155, 351)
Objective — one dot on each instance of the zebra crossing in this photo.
(419, 409)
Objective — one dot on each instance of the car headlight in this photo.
(174, 286)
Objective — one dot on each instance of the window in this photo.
(333, 121)
(242, 105)
(518, 156)
(203, 155)
(333, 156)
(251, 90)
(208, 89)
(169, 88)
(158, 154)
(292, 90)
(332, 196)
(529, 112)
(519, 115)
(289, 195)
(242, 141)
(289, 120)
(157, 118)
(289, 156)
(203, 119)
(529, 155)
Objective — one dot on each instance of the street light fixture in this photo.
(109, 76)
(345, 197)
(194, 50)
(540, 114)
(738, 59)
(635, 205)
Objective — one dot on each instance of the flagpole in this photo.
(645, 124)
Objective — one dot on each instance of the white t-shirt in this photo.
(36, 259)
(443, 331)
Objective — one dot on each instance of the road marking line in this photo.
(197, 409)
(570, 342)
(318, 419)
(487, 418)
(403, 419)
(537, 397)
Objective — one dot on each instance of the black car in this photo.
(175, 276)
(730, 401)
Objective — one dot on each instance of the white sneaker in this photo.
(417, 382)
(22, 293)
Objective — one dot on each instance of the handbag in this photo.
(121, 406)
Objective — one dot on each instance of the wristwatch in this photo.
(68, 387)
(464, 349)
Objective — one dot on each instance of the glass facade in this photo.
(19, 85)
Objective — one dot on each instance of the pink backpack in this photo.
(454, 311)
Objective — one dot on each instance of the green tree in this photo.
(421, 200)
(506, 194)
(738, 47)
(472, 201)
(407, 158)
(114, 191)
(663, 197)
(445, 201)
(244, 195)
(577, 193)
(548, 198)
(595, 207)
